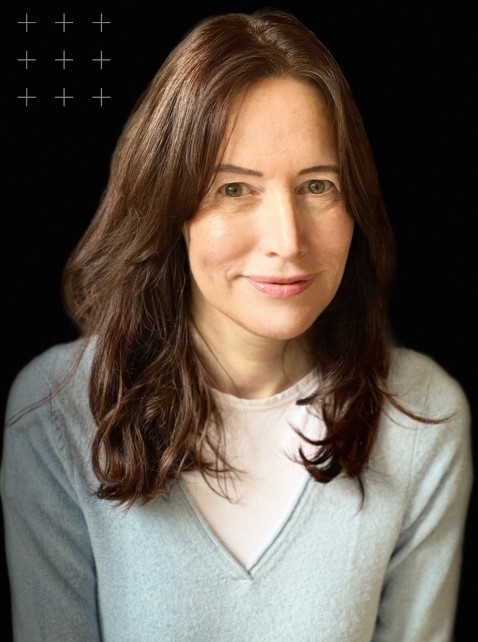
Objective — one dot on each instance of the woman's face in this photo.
(269, 243)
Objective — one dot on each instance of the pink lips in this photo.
(280, 287)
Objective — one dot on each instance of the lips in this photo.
(280, 287)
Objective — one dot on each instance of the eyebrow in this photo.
(330, 169)
(235, 169)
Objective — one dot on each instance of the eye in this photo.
(319, 186)
(233, 190)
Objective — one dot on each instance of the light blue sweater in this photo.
(82, 569)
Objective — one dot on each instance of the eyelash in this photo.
(328, 186)
(223, 189)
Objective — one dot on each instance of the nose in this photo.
(282, 230)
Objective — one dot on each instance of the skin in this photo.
(269, 243)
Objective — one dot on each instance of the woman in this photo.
(234, 449)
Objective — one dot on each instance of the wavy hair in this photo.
(127, 282)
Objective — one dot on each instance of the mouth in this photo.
(280, 287)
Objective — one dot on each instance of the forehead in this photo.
(279, 115)
(268, 93)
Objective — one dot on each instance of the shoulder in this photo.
(60, 371)
(426, 450)
(48, 416)
(431, 435)
(423, 386)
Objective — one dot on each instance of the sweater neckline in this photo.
(280, 539)
(302, 388)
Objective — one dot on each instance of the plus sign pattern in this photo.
(29, 59)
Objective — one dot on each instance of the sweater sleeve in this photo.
(50, 561)
(420, 591)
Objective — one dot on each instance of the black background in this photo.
(411, 71)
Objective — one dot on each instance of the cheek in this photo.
(334, 238)
(213, 243)
(344, 236)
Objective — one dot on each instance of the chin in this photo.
(277, 331)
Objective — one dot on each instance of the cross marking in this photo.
(63, 96)
(101, 97)
(64, 59)
(101, 22)
(26, 60)
(101, 60)
(26, 22)
(64, 22)
(26, 97)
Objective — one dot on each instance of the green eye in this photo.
(233, 189)
(319, 187)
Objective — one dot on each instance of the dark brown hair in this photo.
(127, 282)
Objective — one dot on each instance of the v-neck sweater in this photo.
(263, 446)
(82, 569)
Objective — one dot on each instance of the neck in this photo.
(251, 367)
